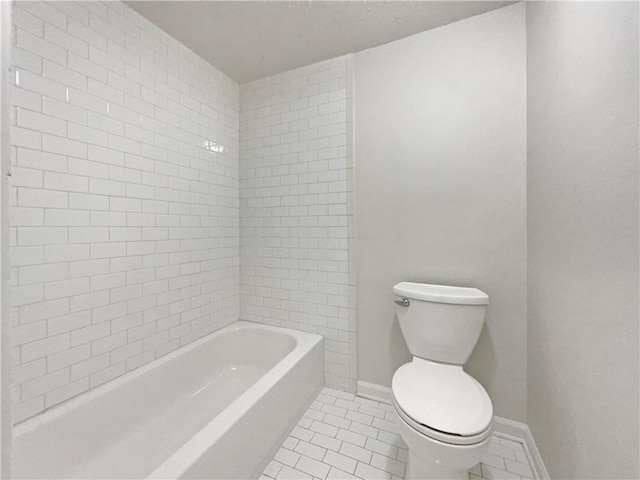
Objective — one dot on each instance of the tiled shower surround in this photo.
(132, 193)
(124, 200)
(296, 198)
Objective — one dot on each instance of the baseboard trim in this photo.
(374, 391)
(502, 427)
(519, 432)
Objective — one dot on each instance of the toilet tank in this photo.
(440, 323)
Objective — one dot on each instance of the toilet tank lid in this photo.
(441, 293)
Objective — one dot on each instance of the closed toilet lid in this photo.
(442, 397)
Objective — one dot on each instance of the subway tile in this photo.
(297, 186)
(310, 450)
(355, 452)
(381, 448)
(325, 441)
(44, 384)
(272, 469)
(287, 457)
(28, 371)
(494, 473)
(51, 272)
(27, 21)
(519, 468)
(352, 437)
(69, 357)
(87, 367)
(87, 68)
(107, 374)
(40, 46)
(41, 123)
(58, 36)
(89, 334)
(379, 459)
(313, 467)
(66, 323)
(26, 99)
(64, 146)
(30, 332)
(74, 11)
(26, 217)
(26, 60)
(288, 473)
(387, 464)
(26, 295)
(66, 288)
(82, 31)
(66, 391)
(370, 473)
(93, 144)
(342, 462)
(86, 135)
(45, 347)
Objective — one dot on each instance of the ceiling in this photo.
(248, 40)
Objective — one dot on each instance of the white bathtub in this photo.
(218, 408)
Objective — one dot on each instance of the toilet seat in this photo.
(442, 436)
(442, 401)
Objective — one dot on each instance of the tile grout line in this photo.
(383, 461)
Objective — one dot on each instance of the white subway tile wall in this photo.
(124, 199)
(296, 208)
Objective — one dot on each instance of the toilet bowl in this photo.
(444, 414)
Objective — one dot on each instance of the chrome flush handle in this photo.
(403, 303)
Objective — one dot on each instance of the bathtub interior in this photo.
(126, 428)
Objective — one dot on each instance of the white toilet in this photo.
(445, 414)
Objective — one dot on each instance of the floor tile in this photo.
(341, 422)
(351, 437)
(357, 453)
(365, 430)
(346, 437)
(272, 469)
(288, 473)
(326, 442)
(381, 448)
(290, 443)
(368, 472)
(287, 457)
(312, 467)
(493, 473)
(388, 464)
(340, 461)
(520, 468)
(310, 450)
(337, 474)
(302, 433)
(324, 428)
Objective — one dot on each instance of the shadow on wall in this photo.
(483, 354)
(483, 357)
(397, 346)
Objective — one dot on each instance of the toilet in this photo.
(445, 415)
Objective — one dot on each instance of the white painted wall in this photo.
(125, 240)
(296, 177)
(440, 127)
(583, 237)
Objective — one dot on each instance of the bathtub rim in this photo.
(176, 465)
(30, 424)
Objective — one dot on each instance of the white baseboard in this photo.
(519, 432)
(374, 391)
(502, 427)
